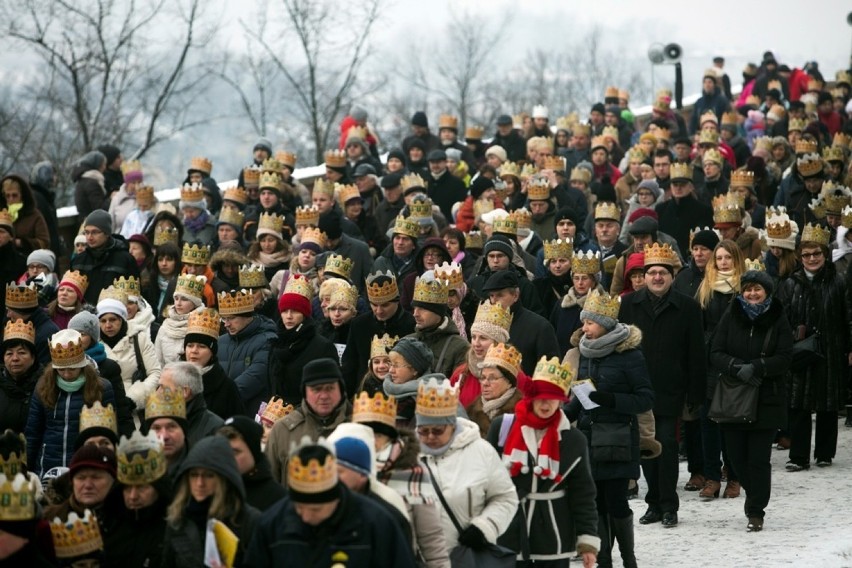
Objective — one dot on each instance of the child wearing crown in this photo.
(139, 218)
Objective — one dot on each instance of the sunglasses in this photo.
(434, 431)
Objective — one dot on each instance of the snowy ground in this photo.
(807, 522)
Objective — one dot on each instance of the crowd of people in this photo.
(465, 347)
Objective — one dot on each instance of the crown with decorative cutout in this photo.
(307, 215)
(203, 322)
(313, 476)
(637, 154)
(509, 169)
(474, 240)
(359, 132)
(709, 137)
(834, 154)
(195, 254)
(131, 167)
(474, 133)
(841, 140)
(846, 217)
(493, 314)
(191, 285)
(448, 121)
(145, 196)
(553, 372)
(412, 181)
(270, 224)
(742, 178)
(763, 143)
(726, 209)
(607, 210)
(603, 304)
(17, 498)
(778, 228)
(232, 217)
(420, 208)
(286, 158)
(346, 193)
(78, 536)
(797, 124)
(555, 163)
(201, 164)
(165, 403)
(237, 195)
(610, 132)
(344, 295)
(335, 158)
(339, 265)
(15, 462)
(581, 175)
(660, 254)
(236, 303)
(528, 171)
(378, 408)
(192, 192)
(712, 156)
(436, 399)
(164, 234)
(140, 459)
(131, 285)
(450, 273)
(113, 293)
(430, 291)
(587, 262)
(98, 416)
(23, 296)
(503, 356)
(251, 176)
(835, 197)
(538, 189)
(755, 265)
(809, 164)
(381, 346)
(324, 187)
(681, 171)
(407, 226)
(387, 291)
(76, 279)
(315, 236)
(806, 146)
(271, 167)
(18, 330)
(275, 410)
(253, 276)
(816, 234)
(299, 284)
(507, 225)
(558, 248)
(523, 217)
(65, 354)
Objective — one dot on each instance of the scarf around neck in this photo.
(492, 407)
(195, 225)
(604, 345)
(725, 282)
(754, 310)
(71, 386)
(405, 390)
(275, 259)
(515, 451)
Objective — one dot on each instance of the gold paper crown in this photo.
(191, 285)
(232, 217)
(581, 174)
(448, 121)
(324, 187)
(346, 295)
(567, 122)
(742, 178)
(817, 205)
(610, 132)
(779, 229)
(164, 234)
(763, 143)
(474, 240)
(663, 134)
(251, 176)
(503, 356)
(111, 293)
(708, 137)
(598, 142)
(165, 403)
(66, 355)
(507, 226)
(253, 276)
(603, 304)
(346, 193)
(555, 163)
(660, 254)
(313, 476)
(816, 234)
(725, 210)
(637, 154)
(797, 124)
(236, 302)
(97, 416)
(806, 146)
(528, 171)
(430, 291)
(131, 166)
(192, 192)
(19, 330)
(558, 248)
(237, 195)
(436, 399)
(681, 171)
(77, 536)
(377, 408)
(708, 116)
(406, 226)
(510, 169)
(195, 254)
(846, 217)
(538, 189)
(420, 208)
(835, 197)
(145, 195)
(140, 459)
(16, 463)
(809, 164)
(314, 235)
(275, 410)
(842, 76)
(493, 314)
(411, 181)
(753, 100)
(286, 158)
(586, 262)
(735, 198)
(17, 498)
(6, 218)
(755, 265)
(842, 140)
(298, 284)
(730, 118)
(131, 285)
(523, 216)
(356, 132)
(712, 155)
(22, 297)
(270, 166)
(474, 133)
(340, 265)
(201, 164)
(834, 154)
(582, 130)
(624, 94)
(611, 92)
(307, 215)
(553, 372)
(271, 222)
(381, 346)
(607, 210)
(270, 180)
(204, 322)
(335, 158)
(450, 273)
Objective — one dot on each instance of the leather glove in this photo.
(605, 399)
(473, 538)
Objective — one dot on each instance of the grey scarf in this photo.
(492, 407)
(604, 345)
(404, 390)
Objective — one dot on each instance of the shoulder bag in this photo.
(140, 374)
(735, 402)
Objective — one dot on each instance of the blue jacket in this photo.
(44, 329)
(51, 432)
(245, 357)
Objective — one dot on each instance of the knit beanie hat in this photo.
(419, 119)
(758, 277)
(706, 238)
(498, 245)
(251, 432)
(331, 223)
(293, 301)
(263, 144)
(93, 457)
(43, 257)
(416, 353)
(354, 454)
(87, 322)
(94, 160)
(566, 213)
(112, 306)
(480, 185)
(100, 219)
(650, 185)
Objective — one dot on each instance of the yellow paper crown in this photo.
(191, 285)
(763, 143)
(450, 273)
(335, 158)
(730, 118)
(19, 330)
(313, 476)
(503, 356)
(411, 181)
(603, 304)
(406, 226)
(637, 154)
(681, 171)
(324, 187)
(493, 314)
(76, 278)
(555, 163)
(846, 217)
(192, 192)
(841, 140)
(581, 174)
(523, 217)
(507, 226)
(558, 248)
(713, 156)
(387, 291)
(195, 254)
(6, 218)
(474, 240)
(599, 142)
(286, 158)
(271, 166)
(307, 215)
(436, 399)
(131, 285)
(420, 208)
(474, 133)
(232, 217)
(566, 123)
(356, 132)
(165, 403)
(448, 121)
(381, 346)
(607, 210)
(509, 169)
(17, 498)
(140, 459)
(610, 132)
(340, 265)
(611, 92)
(809, 164)
(538, 189)
(528, 171)
(314, 235)
(742, 178)
(164, 234)
(430, 291)
(586, 262)
(77, 536)
(816, 234)
(298, 284)
(806, 146)
(236, 302)
(270, 223)
(817, 206)
(21, 296)
(251, 176)
(201, 164)
(755, 264)
(779, 229)
(145, 195)
(275, 410)
(237, 195)
(725, 210)
(710, 137)
(345, 295)
(835, 197)
(97, 416)
(67, 354)
(582, 130)
(834, 154)
(204, 322)
(345, 193)
(253, 276)
(112, 293)
(377, 408)
(131, 166)
(797, 124)
(553, 372)
(660, 254)
(16, 462)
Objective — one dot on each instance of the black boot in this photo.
(605, 553)
(622, 530)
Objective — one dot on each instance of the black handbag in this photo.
(806, 352)
(611, 442)
(735, 402)
(140, 374)
(490, 556)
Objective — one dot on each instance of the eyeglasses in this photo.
(809, 255)
(434, 431)
(92, 233)
(399, 365)
(432, 254)
(495, 379)
(656, 273)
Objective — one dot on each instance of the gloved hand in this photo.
(473, 537)
(746, 375)
(605, 399)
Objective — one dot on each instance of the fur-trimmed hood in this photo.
(745, 240)
(570, 299)
(633, 341)
(227, 256)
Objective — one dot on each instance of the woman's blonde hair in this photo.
(225, 504)
(711, 273)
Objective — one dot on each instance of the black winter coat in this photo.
(550, 289)
(104, 265)
(446, 191)
(262, 490)
(44, 329)
(221, 393)
(679, 217)
(513, 143)
(15, 397)
(135, 538)
(356, 357)
(111, 371)
(88, 194)
(202, 422)
(822, 306)
(688, 280)
(713, 313)
(673, 345)
(739, 340)
(289, 353)
(532, 336)
(12, 265)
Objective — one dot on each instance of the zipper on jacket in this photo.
(65, 428)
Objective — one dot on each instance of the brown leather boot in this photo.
(695, 483)
(710, 490)
(732, 490)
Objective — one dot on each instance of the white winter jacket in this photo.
(475, 484)
(125, 355)
(169, 343)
